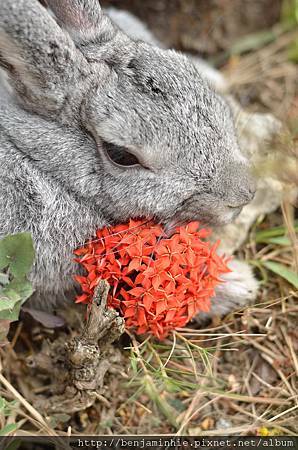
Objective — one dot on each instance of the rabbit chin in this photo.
(225, 217)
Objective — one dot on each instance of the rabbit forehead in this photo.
(162, 105)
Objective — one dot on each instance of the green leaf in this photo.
(8, 300)
(289, 12)
(12, 296)
(293, 52)
(272, 232)
(279, 240)
(2, 404)
(23, 288)
(11, 312)
(177, 404)
(17, 253)
(8, 429)
(253, 42)
(282, 271)
(7, 407)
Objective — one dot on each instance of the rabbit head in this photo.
(154, 139)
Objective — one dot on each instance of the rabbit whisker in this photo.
(114, 234)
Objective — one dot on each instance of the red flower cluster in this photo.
(157, 283)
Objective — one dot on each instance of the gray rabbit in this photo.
(97, 128)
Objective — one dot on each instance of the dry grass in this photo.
(238, 376)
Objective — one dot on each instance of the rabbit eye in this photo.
(120, 155)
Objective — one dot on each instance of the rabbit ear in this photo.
(84, 20)
(41, 59)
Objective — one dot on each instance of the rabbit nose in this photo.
(248, 183)
(242, 192)
(245, 196)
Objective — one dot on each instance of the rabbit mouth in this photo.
(221, 217)
(170, 227)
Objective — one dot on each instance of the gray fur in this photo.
(77, 87)
(132, 26)
(137, 30)
(239, 289)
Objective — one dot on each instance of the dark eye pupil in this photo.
(120, 155)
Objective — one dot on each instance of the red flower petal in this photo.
(82, 298)
(170, 315)
(137, 292)
(157, 283)
(141, 316)
(192, 227)
(161, 306)
(130, 312)
(134, 264)
(147, 301)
